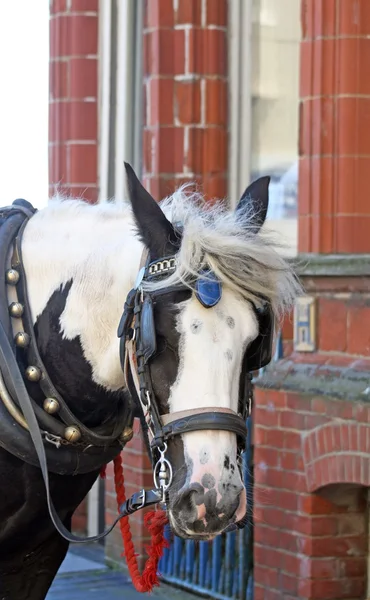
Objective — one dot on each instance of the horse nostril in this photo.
(189, 499)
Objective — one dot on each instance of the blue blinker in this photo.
(208, 289)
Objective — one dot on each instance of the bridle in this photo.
(51, 436)
(138, 348)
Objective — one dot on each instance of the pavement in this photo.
(84, 575)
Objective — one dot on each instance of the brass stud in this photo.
(16, 309)
(126, 435)
(72, 434)
(51, 405)
(12, 277)
(33, 373)
(22, 339)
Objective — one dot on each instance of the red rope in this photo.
(155, 522)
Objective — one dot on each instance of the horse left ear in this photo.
(155, 230)
(255, 201)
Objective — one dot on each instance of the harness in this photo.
(60, 442)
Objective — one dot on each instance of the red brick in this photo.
(207, 52)
(57, 164)
(288, 583)
(161, 95)
(85, 5)
(58, 82)
(269, 576)
(189, 12)
(292, 420)
(332, 326)
(266, 455)
(354, 17)
(187, 102)
(169, 150)
(83, 35)
(286, 460)
(58, 122)
(83, 74)
(57, 6)
(269, 557)
(331, 589)
(266, 417)
(164, 52)
(299, 402)
(216, 12)
(82, 163)
(215, 185)
(352, 566)
(288, 500)
(83, 122)
(59, 27)
(358, 335)
(159, 14)
(216, 101)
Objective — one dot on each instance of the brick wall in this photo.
(73, 123)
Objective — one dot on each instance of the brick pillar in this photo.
(73, 123)
(185, 117)
(334, 169)
(311, 417)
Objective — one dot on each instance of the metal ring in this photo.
(163, 461)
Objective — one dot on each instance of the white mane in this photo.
(224, 240)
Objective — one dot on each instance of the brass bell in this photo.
(22, 339)
(72, 434)
(33, 373)
(126, 435)
(12, 276)
(51, 405)
(16, 309)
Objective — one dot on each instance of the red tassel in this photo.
(155, 521)
(103, 472)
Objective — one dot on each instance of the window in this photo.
(275, 45)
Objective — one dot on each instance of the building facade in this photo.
(216, 93)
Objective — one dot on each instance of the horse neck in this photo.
(79, 271)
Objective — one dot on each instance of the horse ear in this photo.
(156, 232)
(255, 201)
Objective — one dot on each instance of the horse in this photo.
(201, 289)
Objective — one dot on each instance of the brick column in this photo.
(334, 170)
(311, 418)
(185, 122)
(73, 123)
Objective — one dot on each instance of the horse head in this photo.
(207, 287)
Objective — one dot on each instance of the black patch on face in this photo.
(208, 481)
(230, 322)
(203, 456)
(227, 462)
(229, 354)
(196, 326)
(164, 366)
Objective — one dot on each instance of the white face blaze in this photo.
(212, 346)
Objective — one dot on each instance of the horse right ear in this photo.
(155, 230)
